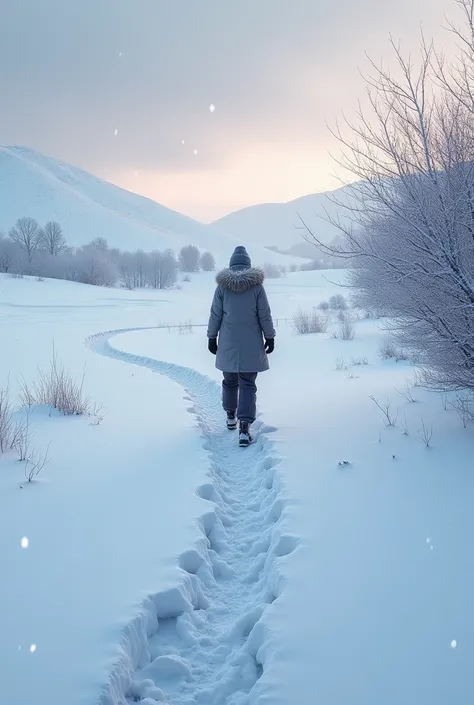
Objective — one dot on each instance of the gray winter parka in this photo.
(241, 316)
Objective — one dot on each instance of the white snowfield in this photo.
(87, 207)
(154, 561)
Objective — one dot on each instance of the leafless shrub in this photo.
(387, 348)
(404, 425)
(444, 400)
(96, 413)
(338, 302)
(57, 389)
(185, 328)
(407, 393)
(372, 315)
(425, 433)
(186, 278)
(306, 322)
(463, 403)
(272, 271)
(386, 409)
(346, 327)
(359, 361)
(323, 306)
(340, 363)
(21, 441)
(34, 464)
(6, 419)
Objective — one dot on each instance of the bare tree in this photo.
(162, 269)
(7, 255)
(126, 269)
(94, 267)
(411, 229)
(52, 239)
(26, 233)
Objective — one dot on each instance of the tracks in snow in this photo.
(205, 641)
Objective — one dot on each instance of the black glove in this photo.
(269, 345)
(212, 345)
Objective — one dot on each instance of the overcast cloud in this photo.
(72, 73)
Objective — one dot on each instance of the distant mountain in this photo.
(32, 184)
(277, 223)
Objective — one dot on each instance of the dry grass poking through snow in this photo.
(306, 322)
(390, 351)
(58, 389)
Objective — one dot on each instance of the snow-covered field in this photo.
(154, 561)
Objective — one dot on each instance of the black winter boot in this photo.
(231, 420)
(245, 439)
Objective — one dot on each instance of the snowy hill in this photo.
(277, 223)
(34, 185)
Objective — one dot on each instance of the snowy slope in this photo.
(87, 207)
(166, 565)
(277, 223)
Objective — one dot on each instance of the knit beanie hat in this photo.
(240, 259)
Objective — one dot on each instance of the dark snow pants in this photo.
(239, 393)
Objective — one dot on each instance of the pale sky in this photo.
(116, 86)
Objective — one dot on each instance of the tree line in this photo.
(43, 251)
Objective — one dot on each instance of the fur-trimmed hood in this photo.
(241, 279)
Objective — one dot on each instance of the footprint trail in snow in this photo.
(205, 641)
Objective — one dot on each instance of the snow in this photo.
(87, 208)
(155, 561)
(279, 224)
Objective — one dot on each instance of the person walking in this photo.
(241, 335)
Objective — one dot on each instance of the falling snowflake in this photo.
(116, 133)
(212, 108)
(195, 152)
(32, 648)
(454, 643)
(428, 540)
(24, 543)
(120, 53)
(182, 141)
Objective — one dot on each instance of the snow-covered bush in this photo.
(324, 306)
(411, 233)
(305, 322)
(162, 271)
(189, 258)
(346, 327)
(272, 271)
(337, 303)
(389, 350)
(207, 262)
(6, 420)
(44, 253)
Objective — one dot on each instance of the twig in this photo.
(390, 417)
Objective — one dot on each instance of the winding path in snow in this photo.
(205, 642)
